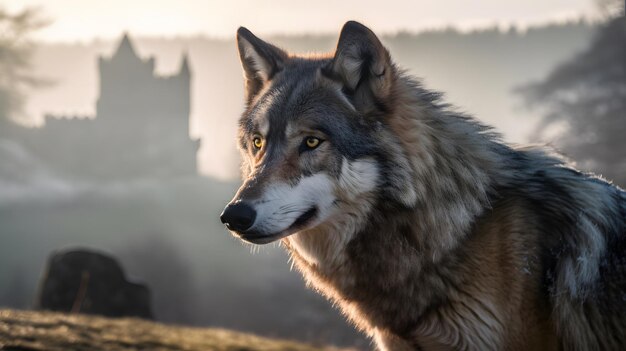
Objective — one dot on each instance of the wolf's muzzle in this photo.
(238, 217)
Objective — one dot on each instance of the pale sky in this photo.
(84, 20)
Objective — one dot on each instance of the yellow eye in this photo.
(312, 142)
(258, 142)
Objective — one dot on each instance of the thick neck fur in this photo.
(453, 161)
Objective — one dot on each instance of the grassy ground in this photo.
(34, 331)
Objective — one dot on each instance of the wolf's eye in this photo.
(257, 142)
(312, 142)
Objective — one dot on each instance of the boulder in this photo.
(86, 281)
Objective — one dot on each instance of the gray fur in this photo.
(439, 236)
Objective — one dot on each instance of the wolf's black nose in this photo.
(238, 216)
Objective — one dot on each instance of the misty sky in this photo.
(87, 19)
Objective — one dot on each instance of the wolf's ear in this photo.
(363, 65)
(260, 61)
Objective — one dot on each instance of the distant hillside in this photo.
(45, 331)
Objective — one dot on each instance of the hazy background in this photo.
(493, 59)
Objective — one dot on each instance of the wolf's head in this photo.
(316, 143)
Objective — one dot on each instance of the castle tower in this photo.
(184, 66)
(184, 79)
(124, 78)
(141, 127)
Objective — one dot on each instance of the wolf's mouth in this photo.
(304, 218)
(301, 222)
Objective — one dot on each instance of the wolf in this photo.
(420, 223)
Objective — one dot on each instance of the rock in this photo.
(84, 281)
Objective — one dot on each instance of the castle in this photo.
(140, 130)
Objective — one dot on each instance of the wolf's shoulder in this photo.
(542, 173)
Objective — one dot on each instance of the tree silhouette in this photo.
(15, 54)
(588, 93)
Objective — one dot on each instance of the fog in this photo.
(164, 225)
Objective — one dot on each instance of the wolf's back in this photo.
(582, 221)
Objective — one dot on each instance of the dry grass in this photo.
(30, 330)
